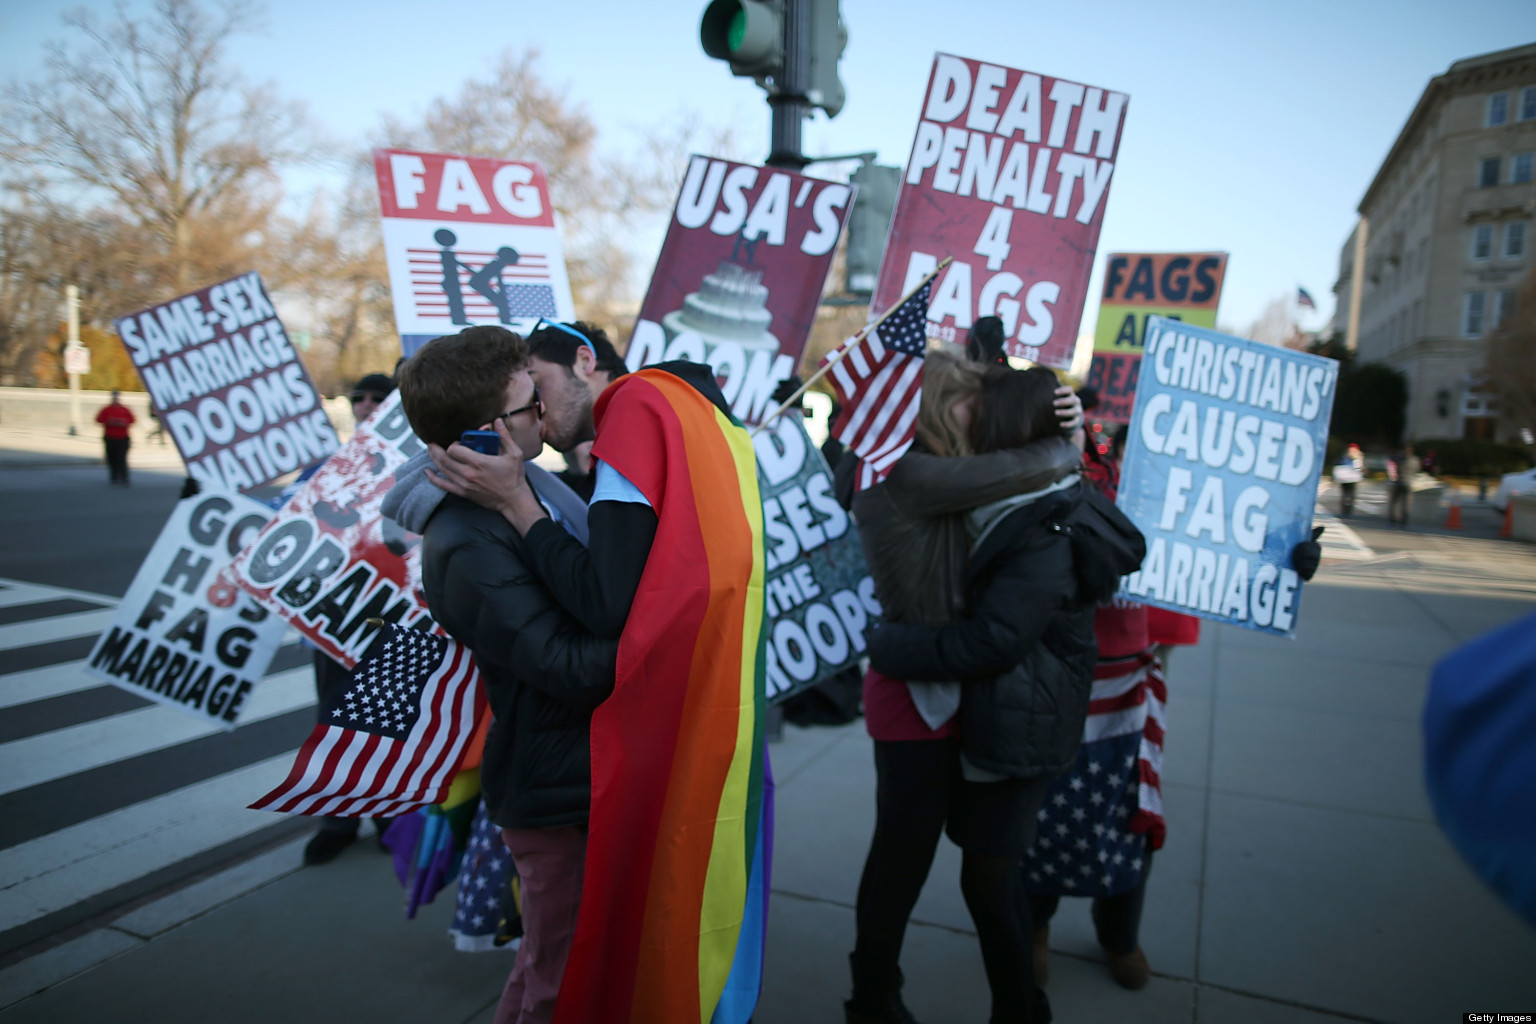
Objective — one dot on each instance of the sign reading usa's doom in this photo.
(1177, 286)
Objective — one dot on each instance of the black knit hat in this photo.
(374, 384)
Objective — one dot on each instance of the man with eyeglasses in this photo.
(673, 569)
(543, 673)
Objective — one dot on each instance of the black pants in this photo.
(117, 459)
(1397, 506)
(1346, 499)
(1116, 919)
(920, 789)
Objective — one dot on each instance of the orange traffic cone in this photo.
(1453, 517)
(1508, 529)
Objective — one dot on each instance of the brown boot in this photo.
(1130, 970)
(1042, 953)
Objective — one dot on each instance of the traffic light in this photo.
(869, 222)
(753, 36)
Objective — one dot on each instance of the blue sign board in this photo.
(1222, 459)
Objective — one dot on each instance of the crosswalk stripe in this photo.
(48, 681)
(53, 872)
(52, 755)
(60, 627)
(15, 592)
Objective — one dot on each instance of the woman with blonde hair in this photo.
(913, 529)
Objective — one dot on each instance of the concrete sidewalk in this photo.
(1303, 879)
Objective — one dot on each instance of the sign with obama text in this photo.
(1009, 174)
(1221, 468)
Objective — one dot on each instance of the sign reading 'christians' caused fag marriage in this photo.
(740, 276)
(1221, 467)
(184, 635)
(1009, 174)
(228, 385)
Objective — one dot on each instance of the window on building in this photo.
(1488, 172)
(1498, 110)
(1528, 103)
(1482, 241)
(1472, 314)
(1503, 306)
(1514, 239)
(1520, 168)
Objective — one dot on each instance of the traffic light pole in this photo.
(790, 106)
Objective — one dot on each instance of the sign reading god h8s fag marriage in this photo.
(1009, 174)
(740, 276)
(469, 240)
(184, 635)
(1221, 467)
(228, 384)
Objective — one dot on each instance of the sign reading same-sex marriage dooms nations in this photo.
(1009, 174)
(1177, 286)
(1221, 467)
(740, 276)
(183, 634)
(228, 384)
(820, 596)
(469, 240)
(328, 562)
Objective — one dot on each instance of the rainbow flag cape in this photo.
(673, 906)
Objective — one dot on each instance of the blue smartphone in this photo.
(486, 442)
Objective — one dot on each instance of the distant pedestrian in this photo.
(115, 420)
(1401, 470)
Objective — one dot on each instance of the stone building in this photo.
(1448, 236)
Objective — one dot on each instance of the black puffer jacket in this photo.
(1023, 651)
(543, 673)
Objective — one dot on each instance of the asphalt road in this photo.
(65, 526)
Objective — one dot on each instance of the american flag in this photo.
(1304, 298)
(879, 384)
(392, 740)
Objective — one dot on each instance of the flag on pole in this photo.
(879, 384)
(1304, 299)
(394, 738)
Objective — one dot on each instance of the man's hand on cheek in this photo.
(495, 481)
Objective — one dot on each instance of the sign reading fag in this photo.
(184, 635)
(1221, 467)
(820, 596)
(740, 276)
(1178, 286)
(328, 562)
(469, 240)
(1009, 174)
(229, 385)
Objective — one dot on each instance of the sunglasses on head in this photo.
(573, 332)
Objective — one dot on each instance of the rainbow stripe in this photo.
(674, 897)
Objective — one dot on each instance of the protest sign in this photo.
(1009, 174)
(469, 240)
(1177, 286)
(228, 384)
(184, 635)
(740, 276)
(1221, 467)
(328, 561)
(820, 596)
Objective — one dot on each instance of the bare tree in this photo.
(146, 117)
(1512, 361)
(1277, 326)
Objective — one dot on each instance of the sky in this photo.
(1252, 128)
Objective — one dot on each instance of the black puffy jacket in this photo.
(543, 673)
(1023, 651)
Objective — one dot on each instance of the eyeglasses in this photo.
(573, 332)
(536, 406)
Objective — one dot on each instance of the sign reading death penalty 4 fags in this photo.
(229, 385)
(1221, 468)
(185, 635)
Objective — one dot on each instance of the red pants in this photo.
(549, 864)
